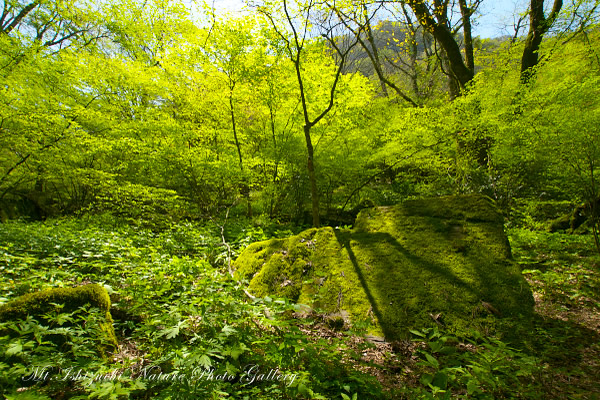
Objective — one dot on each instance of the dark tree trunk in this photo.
(538, 26)
(440, 30)
(294, 47)
(314, 193)
(370, 48)
(7, 25)
(375, 55)
(466, 13)
(234, 129)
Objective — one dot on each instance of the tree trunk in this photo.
(295, 46)
(234, 128)
(466, 12)
(444, 37)
(314, 193)
(372, 52)
(245, 189)
(12, 24)
(375, 58)
(538, 26)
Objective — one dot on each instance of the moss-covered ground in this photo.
(443, 261)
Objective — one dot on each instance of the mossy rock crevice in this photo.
(424, 262)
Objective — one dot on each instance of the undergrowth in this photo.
(186, 330)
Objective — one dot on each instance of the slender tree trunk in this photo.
(245, 188)
(375, 58)
(6, 29)
(314, 193)
(414, 53)
(276, 169)
(373, 53)
(295, 47)
(234, 128)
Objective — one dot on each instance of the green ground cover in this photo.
(178, 314)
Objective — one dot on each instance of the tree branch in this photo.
(17, 20)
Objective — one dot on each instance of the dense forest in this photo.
(145, 145)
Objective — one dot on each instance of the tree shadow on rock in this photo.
(408, 290)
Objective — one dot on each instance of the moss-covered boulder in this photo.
(435, 261)
(47, 303)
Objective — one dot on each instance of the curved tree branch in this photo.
(18, 18)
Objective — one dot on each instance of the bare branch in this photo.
(343, 56)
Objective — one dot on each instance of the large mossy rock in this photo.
(435, 261)
(41, 305)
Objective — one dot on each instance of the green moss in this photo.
(67, 300)
(562, 223)
(400, 267)
(548, 210)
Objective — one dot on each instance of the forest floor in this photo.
(564, 273)
(180, 269)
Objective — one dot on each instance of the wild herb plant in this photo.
(474, 366)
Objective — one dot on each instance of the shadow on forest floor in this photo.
(567, 343)
(564, 275)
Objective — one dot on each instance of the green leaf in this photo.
(231, 369)
(170, 333)
(303, 390)
(173, 332)
(228, 330)
(14, 348)
(432, 360)
(205, 361)
(473, 387)
(426, 379)
(440, 380)
(436, 346)
(417, 333)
